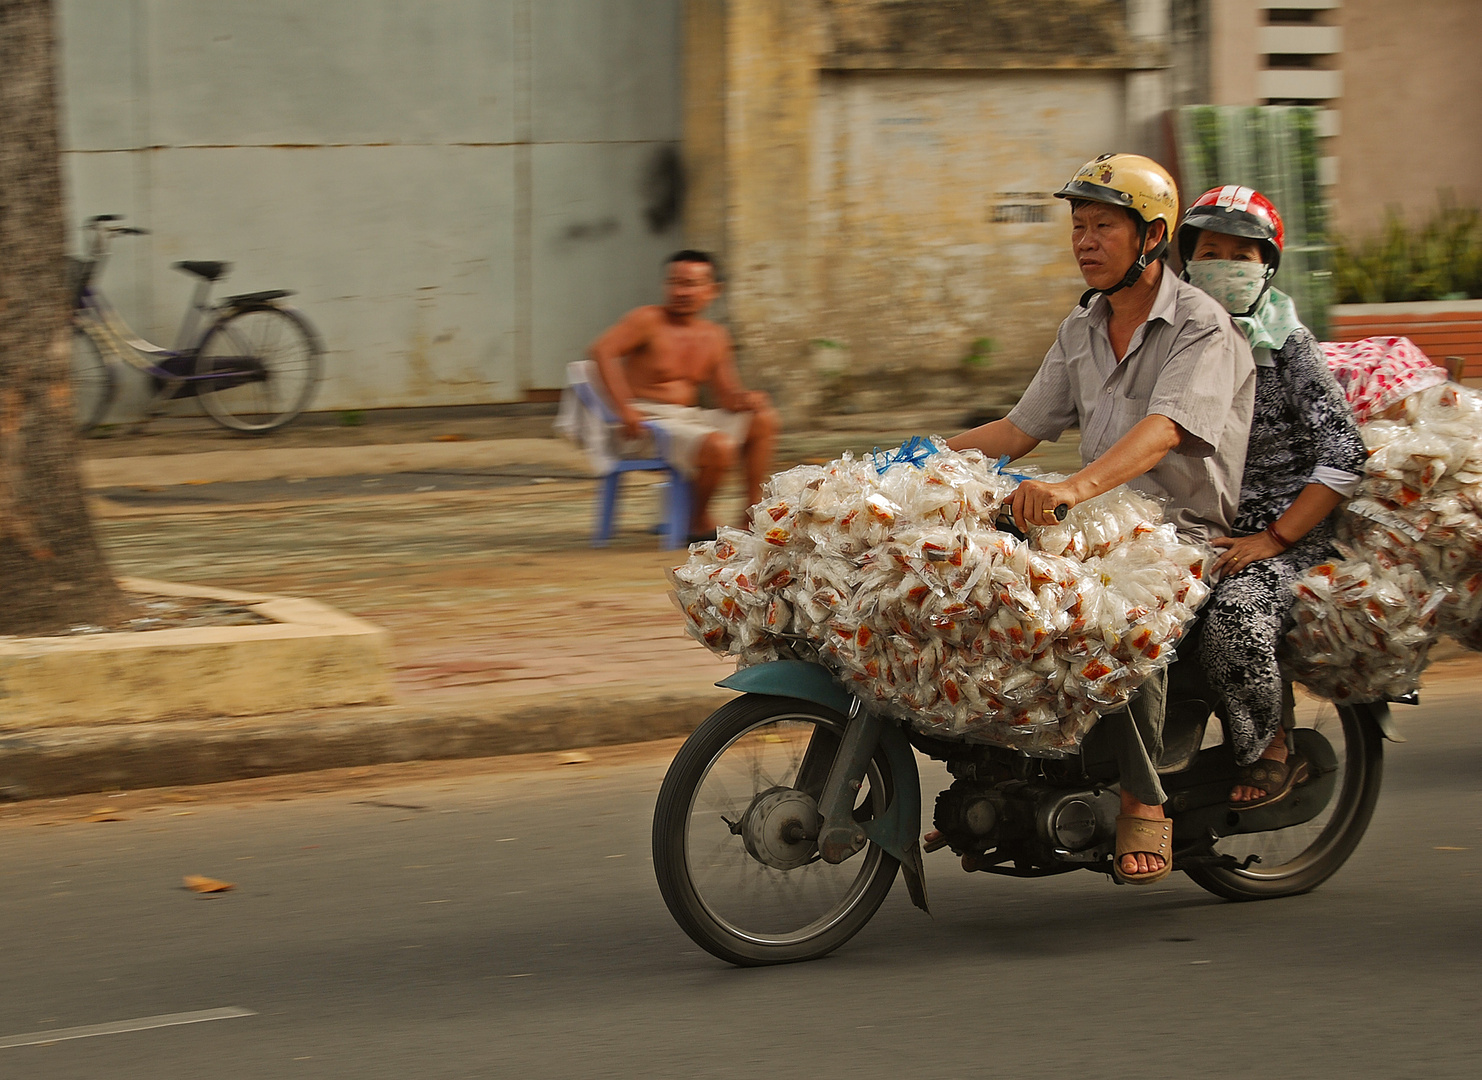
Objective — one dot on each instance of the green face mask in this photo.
(1236, 285)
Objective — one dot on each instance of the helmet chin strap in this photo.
(1139, 265)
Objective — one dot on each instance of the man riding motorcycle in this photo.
(1161, 383)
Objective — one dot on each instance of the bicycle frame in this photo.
(101, 321)
(217, 349)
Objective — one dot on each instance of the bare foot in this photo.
(1277, 751)
(1140, 862)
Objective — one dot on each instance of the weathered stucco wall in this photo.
(883, 189)
(936, 231)
(464, 193)
(907, 34)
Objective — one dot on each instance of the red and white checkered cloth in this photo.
(1380, 372)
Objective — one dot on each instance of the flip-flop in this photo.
(1276, 778)
(1143, 836)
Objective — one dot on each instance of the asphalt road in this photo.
(499, 918)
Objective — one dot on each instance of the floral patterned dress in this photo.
(1302, 432)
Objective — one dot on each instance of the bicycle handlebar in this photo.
(100, 227)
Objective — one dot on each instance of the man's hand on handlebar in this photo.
(1035, 502)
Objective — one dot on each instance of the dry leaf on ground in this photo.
(197, 883)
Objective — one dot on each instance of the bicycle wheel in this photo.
(1300, 858)
(259, 367)
(92, 379)
(732, 852)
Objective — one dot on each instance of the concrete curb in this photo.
(54, 762)
(309, 655)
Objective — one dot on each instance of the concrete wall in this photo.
(1234, 30)
(878, 175)
(1412, 109)
(1402, 85)
(935, 224)
(464, 193)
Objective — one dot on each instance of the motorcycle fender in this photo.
(898, 829)
(795, 679)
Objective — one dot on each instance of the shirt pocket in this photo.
(1130, 398)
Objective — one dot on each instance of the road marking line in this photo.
(118, 1027)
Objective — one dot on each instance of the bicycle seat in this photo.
(208, 270)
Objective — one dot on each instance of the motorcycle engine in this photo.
(1035, 823)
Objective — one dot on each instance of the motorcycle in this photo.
(783, 820)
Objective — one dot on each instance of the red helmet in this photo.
(1237, 211)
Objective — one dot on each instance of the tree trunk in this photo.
(52, 572)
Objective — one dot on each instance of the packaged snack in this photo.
(892, 571)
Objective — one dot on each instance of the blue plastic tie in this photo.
(914, 451)
(999, 468)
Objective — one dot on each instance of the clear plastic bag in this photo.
(1416, 522)
(894, 575)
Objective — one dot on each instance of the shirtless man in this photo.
(653, 363)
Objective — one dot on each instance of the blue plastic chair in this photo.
(674, 529)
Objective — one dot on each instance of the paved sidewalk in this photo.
(465, 535)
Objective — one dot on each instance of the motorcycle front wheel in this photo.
(1300, 858)
(734, 832)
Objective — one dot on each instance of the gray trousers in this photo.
(1137, 739)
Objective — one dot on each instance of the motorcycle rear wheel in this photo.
(1299, 859)
(730, 902)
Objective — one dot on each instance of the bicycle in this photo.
(252, 361)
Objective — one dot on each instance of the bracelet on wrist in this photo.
(1281, 541)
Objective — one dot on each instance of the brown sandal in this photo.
(1275, 778)
(1144, 836)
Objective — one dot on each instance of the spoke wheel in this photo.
(734, 830)
(92, 380)
(262, 366)
(1298, 859)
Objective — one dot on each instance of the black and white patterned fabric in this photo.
(1302, 429)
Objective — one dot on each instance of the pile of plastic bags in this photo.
(891, 571)
(1412, 546)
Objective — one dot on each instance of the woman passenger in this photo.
(1304, 458)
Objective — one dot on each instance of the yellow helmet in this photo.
(1134, 183)
(1130, 181)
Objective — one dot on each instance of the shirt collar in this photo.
(1098, 308)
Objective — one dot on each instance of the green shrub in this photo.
(1440, 260)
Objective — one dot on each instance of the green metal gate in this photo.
(1272, 148)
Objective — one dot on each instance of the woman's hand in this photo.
(1241, 551)
(1034, 502)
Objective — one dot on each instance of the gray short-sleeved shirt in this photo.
(1188, 362)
